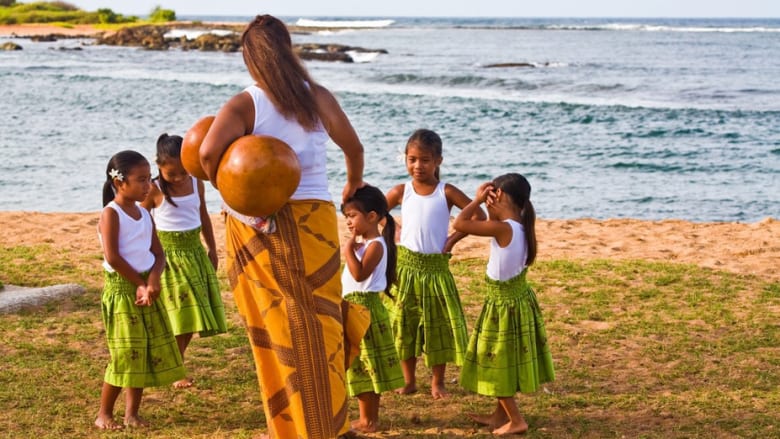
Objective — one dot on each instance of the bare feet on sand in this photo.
(107, 423)
(184, 383)
(493, 420)
(438, 391)
(135, 422)
(511, 428)
(364, 426)
(407, 389)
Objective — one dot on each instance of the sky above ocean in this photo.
(450, 8)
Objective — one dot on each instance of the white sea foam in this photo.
(305, 22)
(192, 34)
(362, 57)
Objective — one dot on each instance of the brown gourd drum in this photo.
(257, 175)
(190, 147)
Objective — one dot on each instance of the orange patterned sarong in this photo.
(287, 288)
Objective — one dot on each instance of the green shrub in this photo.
(162, 15)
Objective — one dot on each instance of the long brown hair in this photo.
(272, 63)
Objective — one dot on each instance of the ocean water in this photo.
(650, 119)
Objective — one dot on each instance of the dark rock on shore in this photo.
(514, 64)
(152, 37)
(10, 46)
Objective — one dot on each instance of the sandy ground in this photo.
(752, 248)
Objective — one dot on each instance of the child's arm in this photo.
(153, 281)
(361, 270)
(395, 196)
(457, 198)
(153, 199)
(206, 229)
(468, 222)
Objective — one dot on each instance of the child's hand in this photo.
(142, 296)
(349, 246)
(153, 287)
(486, 193)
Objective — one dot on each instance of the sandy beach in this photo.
(35, 29)
(752, 248)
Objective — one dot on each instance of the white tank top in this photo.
(376, 281)
(506, 263)
(425, 220)
(182, 217)
(310, 146)
(135, 239)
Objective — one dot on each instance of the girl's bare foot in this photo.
(107, 423)
(511, 428)
(184, 383)
(364, 427)
(407, 389)
(135, 421)
(439, 392)
(493, 420)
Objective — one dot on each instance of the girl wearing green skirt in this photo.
(140, 341)
(190, 289)
(508, 350)
(370, 270)
(427, 315)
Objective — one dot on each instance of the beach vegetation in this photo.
(160, 15)
(641, 349)
(58, 12)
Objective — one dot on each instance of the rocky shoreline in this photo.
(192, 36)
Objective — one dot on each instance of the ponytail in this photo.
(388, 233)
(108, 191)
(168, 147)
(528, 220)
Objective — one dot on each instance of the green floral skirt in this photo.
(427, 315)
(377, 368)
(508, 351)
(143, 349)
(190, 289)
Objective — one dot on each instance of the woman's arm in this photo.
(233, 120)
(206, 229)
(343, 134)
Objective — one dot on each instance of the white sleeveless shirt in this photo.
(182, 217)
(135, 239)
(425, 220)
(376, 281)
(507, 262)
(309, 146)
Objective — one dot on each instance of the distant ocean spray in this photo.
(651, 119)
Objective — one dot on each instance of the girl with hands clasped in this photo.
(508, 350)
(369, 271)
(140, 341)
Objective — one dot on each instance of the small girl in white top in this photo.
(427, 314)
(370, 270)
(190, 288)
(508, 350)
(140, 341)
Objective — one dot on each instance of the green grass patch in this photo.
(642, 350)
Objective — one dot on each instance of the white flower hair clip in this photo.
(116, 175)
